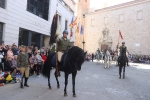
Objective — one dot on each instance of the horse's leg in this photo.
(73, 82)
(123, 72)
(120, 69)
(108, 62)
(49, 82)
(104, 63)
(66, 82)
(56, 76)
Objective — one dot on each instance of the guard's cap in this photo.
(123, 42)
(22, 46)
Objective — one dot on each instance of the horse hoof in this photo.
(74, 95)
(119, 77)
(58, 86)
(65, 94)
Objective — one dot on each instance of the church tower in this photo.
(82, 7)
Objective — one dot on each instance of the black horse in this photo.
(71, 63)
(122, 60)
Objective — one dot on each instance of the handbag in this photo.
(39, 62)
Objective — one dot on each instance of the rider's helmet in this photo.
(123, 42)
(65, 32)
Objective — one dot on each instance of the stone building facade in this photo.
(82, 8)
(132, 19)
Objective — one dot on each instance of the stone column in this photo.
(29, 38)
(41, 40)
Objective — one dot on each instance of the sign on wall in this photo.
(137, 44)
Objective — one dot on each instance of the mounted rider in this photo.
(120, 52)
(98, 51)
(106, 50)
(63, 45)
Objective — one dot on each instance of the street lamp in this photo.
(83, 32)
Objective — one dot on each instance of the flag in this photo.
(73, 23)
(77, 30)
(71, 33)
(58, 30)
(120, 34)
(82, 30)
(53, 30)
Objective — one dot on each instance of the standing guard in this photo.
(23, 65)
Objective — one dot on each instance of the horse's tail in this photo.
(47, 65)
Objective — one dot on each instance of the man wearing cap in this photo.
(23, 65)
(98, 51)
(121, 47)
(63, 45)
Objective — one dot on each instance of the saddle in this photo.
(60, 64)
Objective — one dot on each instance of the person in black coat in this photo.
(3, 51)
(92, 57)
(8, 65)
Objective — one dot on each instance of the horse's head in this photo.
(79, 60)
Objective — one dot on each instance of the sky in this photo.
(100, 3)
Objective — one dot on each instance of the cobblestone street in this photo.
(93, 82)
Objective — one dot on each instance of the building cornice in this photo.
(123, 5)
(65, 7)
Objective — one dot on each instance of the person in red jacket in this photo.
(44, 56)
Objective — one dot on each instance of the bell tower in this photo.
(82, 7)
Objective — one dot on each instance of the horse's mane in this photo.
(47, 65)
(74, 55)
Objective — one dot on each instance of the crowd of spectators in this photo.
(8, 61)
(144, 59)
(139, 58)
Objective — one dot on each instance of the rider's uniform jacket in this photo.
(63, 44)
(121, 48)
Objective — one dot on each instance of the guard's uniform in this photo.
(98, 51)
(63, 45)
(122, 47)
(23, 63)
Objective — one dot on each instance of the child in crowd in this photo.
(2, 79)
(44, 56)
